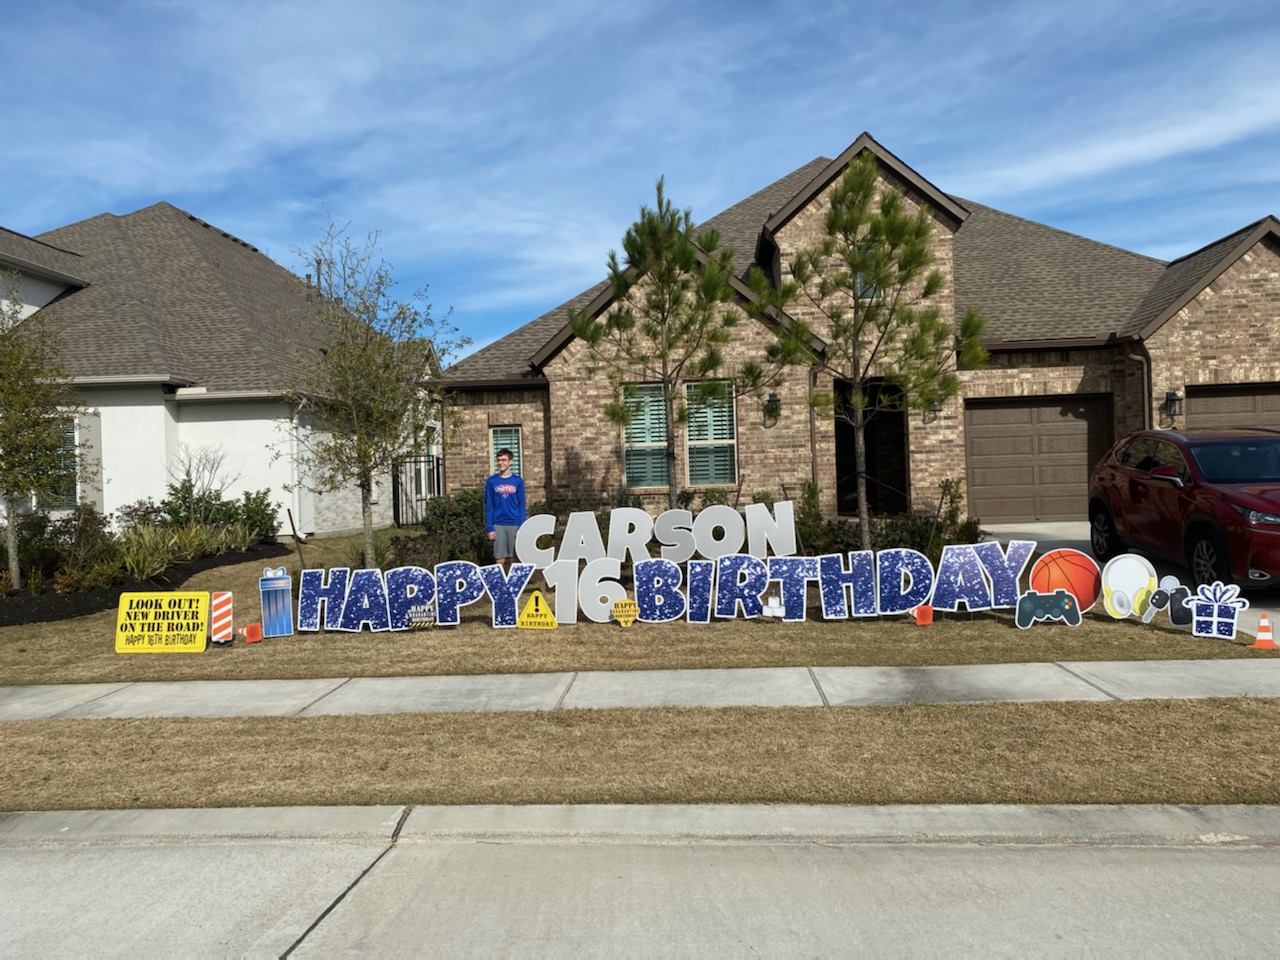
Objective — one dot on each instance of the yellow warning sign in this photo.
(536, 614)
(162, 622)
(625, 611)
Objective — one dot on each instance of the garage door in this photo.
(1255, 405)
(1029, 459)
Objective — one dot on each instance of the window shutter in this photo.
(508, 437)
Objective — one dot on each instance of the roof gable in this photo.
(1185, 278)
(936, 199)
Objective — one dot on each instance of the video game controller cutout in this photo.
(1059, 605)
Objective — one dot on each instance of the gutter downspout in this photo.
(813, 426)
(1145, 362)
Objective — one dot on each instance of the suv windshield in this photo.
(1245, 461)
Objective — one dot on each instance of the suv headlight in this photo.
(1257, 516)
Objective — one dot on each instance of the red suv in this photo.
(1210, 499)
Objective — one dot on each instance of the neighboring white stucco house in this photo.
(179, 338)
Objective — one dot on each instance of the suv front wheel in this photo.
(1102, 533)
(1207, 557)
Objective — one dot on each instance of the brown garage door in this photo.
(1255, 405)
(1029, 459)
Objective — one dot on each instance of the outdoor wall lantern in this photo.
(772, 409)
(1173, 404)
(931, 414)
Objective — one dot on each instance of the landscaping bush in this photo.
(923, 530)
(185, 505)
(145, 511)
(452, 529)
(147, 550)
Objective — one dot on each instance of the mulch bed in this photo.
(19, 607)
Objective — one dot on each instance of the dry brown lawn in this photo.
(83, 650)
(1199, 752)
(1211, 751)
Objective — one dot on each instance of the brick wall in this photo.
(587, 449)
(469, 420)
(1229, 333)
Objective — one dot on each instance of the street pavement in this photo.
(641, 881)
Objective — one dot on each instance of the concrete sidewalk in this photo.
(759, 687)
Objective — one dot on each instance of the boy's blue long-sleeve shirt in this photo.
(503, 502)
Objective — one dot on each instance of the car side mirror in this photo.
(1169, 474)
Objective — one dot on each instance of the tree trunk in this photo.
(11, 542)
(366, 515)
(860, 468)
(669, 410)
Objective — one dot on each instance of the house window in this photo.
(645, 437)
(713, 448)
(508, 437)
(64, 498)
(867, 290)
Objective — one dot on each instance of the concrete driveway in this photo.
(1051, 535)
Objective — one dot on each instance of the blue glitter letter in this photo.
(366, 603)
(505, 590)
(1004, 569)
(834, 579)
(794, 573)
(960, 580)
(701, 575)
(313, 591)
(893, 569)
(740, 578)
(457, 584)
(657, 595)
(408, 587)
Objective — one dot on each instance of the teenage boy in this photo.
(504, 509)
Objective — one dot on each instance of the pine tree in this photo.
(871, 286)
(672, 311)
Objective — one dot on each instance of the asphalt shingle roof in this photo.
(1179, 277)
(739, 226)
(17, 248)
(1033, 282)
(170, 294)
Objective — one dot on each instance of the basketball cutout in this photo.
(1070, 570)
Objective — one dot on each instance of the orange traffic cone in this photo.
(1265, 640)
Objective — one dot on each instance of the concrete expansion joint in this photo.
(395, 837)
(1086, 680)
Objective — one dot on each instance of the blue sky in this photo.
(501, 149)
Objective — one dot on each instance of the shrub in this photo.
(241, 536)
(715, 495)
(810, 526)
(261, 515)
(763, 496)
(185, 505)
(452, 529)
(145, 511)
(147, 550)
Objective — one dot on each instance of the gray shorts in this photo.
(504, 541)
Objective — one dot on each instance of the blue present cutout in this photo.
(1214, 609)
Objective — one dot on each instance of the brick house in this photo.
(1088, 342)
